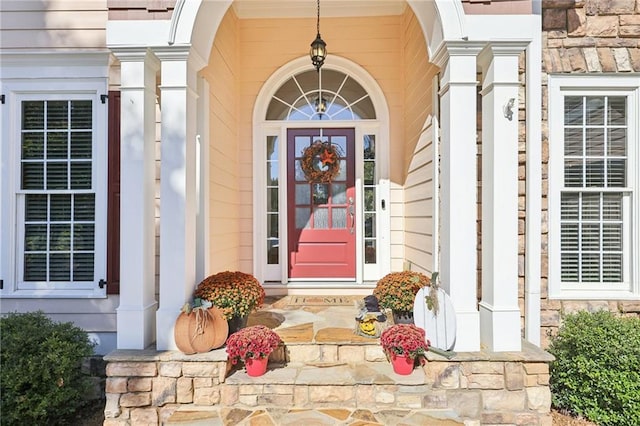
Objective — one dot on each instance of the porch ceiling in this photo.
(307, 8)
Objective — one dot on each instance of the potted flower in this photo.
(235, 293)
(397, 291)
(403, 344)
(253, 345)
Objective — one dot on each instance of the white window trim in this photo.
(560, 86)
(17, 90)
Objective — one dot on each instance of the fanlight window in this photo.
(327, 95)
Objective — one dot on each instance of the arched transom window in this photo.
(327, 95)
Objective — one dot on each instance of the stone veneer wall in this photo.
(146, 390)
(586, 37)
(496, 392)
(497, 388)
(522, 156)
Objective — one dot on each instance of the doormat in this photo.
(321, 301)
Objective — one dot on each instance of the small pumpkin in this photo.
(200, 329)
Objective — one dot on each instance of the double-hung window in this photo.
(58, 187)
(593, 187)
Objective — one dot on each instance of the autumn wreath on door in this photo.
(320, 162)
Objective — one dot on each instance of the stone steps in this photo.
(325, 374)
(271, 415)
(364, 392)
(326, 353)
(363, 385)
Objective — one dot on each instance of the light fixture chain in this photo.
(318, 21)
(318, 50)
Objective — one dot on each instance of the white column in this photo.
(136, 312)
(499, 311)
(177, 190)
(458, 208)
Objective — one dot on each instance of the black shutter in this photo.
(113, 191)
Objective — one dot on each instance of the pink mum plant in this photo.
(404, 340)
(257, 341)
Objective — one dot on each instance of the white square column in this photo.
(499, 311)
(177, 189)
(458, 166)
(136, 312)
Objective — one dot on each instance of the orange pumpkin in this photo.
(200, 330)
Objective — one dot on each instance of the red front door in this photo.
(321, 204)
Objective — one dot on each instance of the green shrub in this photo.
(596, 373)
(40, 369)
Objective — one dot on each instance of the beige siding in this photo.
(373, 42)
(267, 44)
(97, 317)
(419, 207)
(418, 195)
(391, 48)
(418, 83)
(58, 24)
(52, 5)
(225, 210)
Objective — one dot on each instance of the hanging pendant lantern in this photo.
(318, 50)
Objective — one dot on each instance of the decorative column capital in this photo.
(448, 49)
(499, 64)
(180, 53)
(504, 47)
(136, 54)
(138, 68)
(458, 62)
(497, 50)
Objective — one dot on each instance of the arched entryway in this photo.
(310, 231)
(190, 103)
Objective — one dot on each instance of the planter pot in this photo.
(237, 323)
(403, 317)
(201, 330)
(402, 364)
(256, 367)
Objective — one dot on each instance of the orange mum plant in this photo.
(237, 294)
(397, 290)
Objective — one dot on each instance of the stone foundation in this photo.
(147, 387)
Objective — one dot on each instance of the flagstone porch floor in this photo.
(311, 319)
(327, 375)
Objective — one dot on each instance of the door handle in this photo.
(351, 215)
